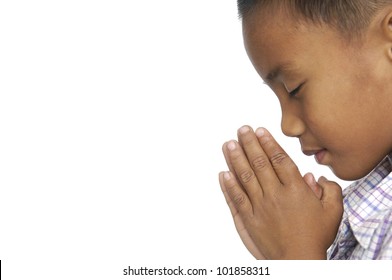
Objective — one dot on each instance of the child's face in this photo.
(341, 111)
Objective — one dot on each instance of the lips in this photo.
(318, 154)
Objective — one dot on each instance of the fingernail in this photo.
(312, 178)
(231, 146)
(260, 132)
(322, 179)
(227, 176)
(244, 129)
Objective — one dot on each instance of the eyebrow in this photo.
(276, 71)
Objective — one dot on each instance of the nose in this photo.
(292, 124)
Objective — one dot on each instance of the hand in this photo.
(239, 224)
(276, 213)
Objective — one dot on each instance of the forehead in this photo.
(279, 42)
(273, 44)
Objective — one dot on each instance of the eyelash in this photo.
(295, 91)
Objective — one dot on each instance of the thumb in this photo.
(313, 185)
(332, 202)
(332, 197)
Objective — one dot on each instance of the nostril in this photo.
(292, 126)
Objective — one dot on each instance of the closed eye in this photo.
(295, 91)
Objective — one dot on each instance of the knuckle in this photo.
(246, 140)
(239, 199)
(235, 156)
(246, 176)
(259, 163)
(278, 158)
(230, 186)
(265, 140)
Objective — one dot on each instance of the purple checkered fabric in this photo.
(365, 232)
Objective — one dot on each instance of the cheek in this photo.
(328, 108)
(318, 115)
(329, 125)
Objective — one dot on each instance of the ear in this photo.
(387, 31)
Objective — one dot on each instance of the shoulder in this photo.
(382, 238)
(374, 235)
(369, 212)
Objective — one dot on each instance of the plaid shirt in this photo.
(366, 228)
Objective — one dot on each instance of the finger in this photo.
(332, 195)
(332, 202)
(313, 185)
(257, 158)
(233, 209)
(286, 170)
(236, 195)
(228, 162)
(251, 246)
(244, 172)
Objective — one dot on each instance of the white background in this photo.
(112, 117)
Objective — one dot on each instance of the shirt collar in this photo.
(362, 211)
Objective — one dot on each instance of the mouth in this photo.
(318, 154)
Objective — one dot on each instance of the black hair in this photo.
(348, 16)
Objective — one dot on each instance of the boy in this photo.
(330, 65)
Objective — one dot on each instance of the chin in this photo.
(353, 168)
(349, 174)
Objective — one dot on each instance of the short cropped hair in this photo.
(351, 17)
